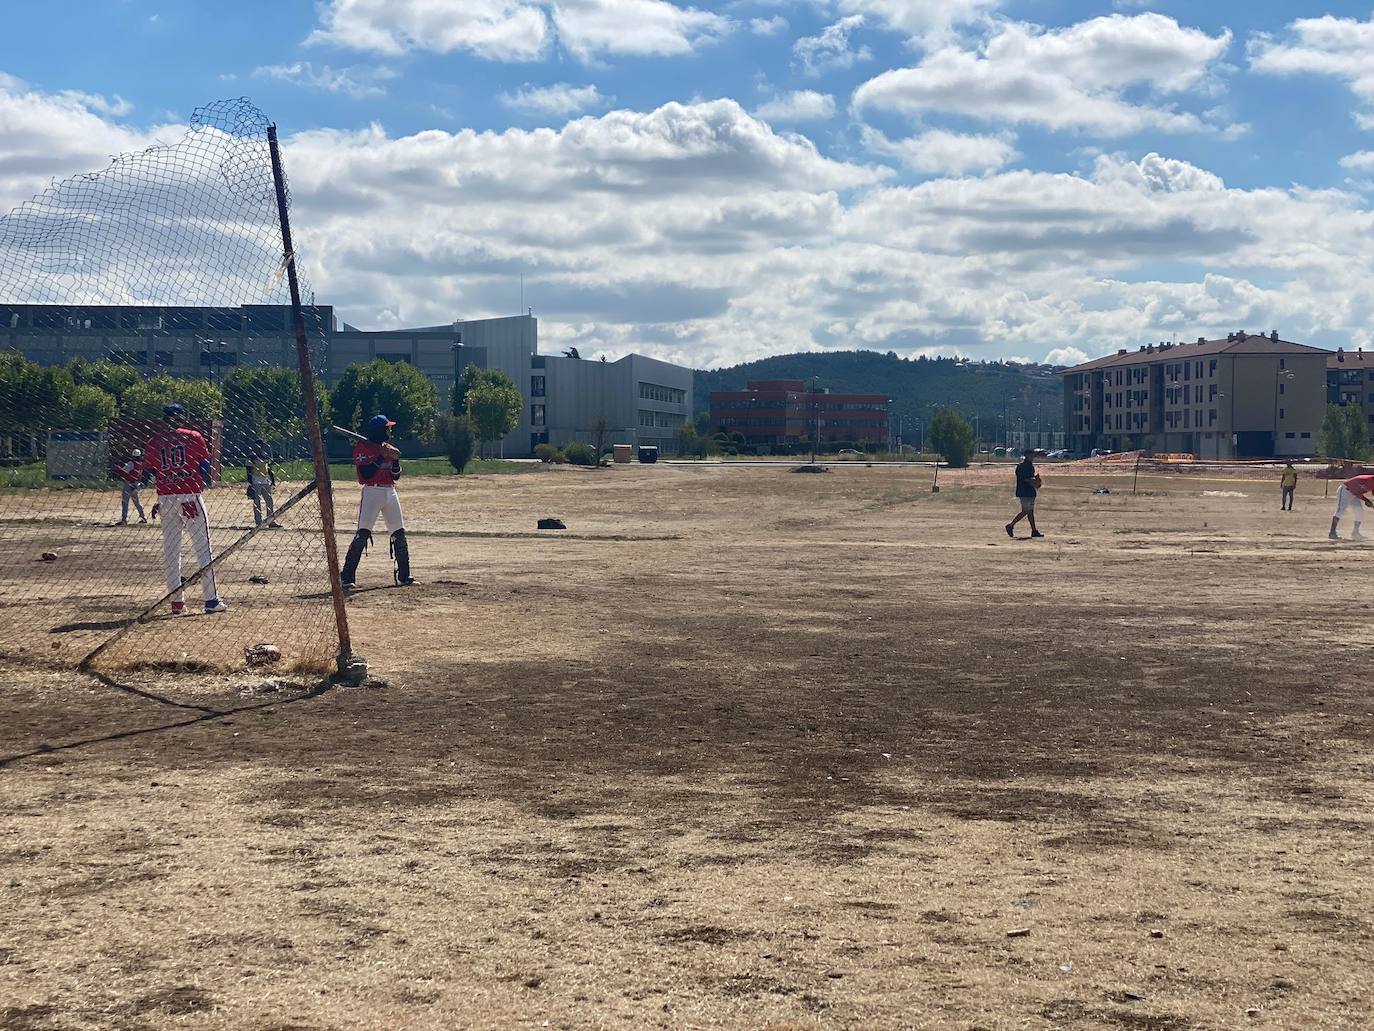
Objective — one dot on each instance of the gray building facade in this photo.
(642, 400)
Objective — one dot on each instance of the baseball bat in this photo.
(347, 433)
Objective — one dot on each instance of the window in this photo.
(1281, 386)
(1305, 436)
(1289, 436)
(1212, 392)
(1212, 417)
(536, 386)
(219, 359)
(1281, 363)
(1280, 413)
(537, 414)
(1212, 367)
(654, 392)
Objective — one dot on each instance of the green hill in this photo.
(992, 391)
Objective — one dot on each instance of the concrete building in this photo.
(642, 400)
(1247, 396)
(772, 412)
(1350, 381)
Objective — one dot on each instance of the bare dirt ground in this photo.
(742, 748)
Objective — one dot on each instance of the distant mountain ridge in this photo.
(994, 392)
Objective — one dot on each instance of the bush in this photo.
(549, 455)
(952, 436)
(455, 433)
(578, 453)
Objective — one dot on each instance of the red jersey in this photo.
(176, 457)
(131, 471)
(374, 469)
(1359, 485)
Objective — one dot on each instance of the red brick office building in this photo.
(785, 411)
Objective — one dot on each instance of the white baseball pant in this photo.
(1344, 500)
(186, 511)
(380, 501)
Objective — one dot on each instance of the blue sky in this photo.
(719, 181)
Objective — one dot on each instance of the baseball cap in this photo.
(379, 422)
(173, 412)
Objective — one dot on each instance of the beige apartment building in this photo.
(1245, 396)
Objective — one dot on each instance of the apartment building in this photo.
(1248, 395)
(1350, 381)
(769, 412)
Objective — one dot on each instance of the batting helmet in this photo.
(378, 427)
(173, 412)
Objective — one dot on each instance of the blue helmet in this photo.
(378, 427)
(173, 412)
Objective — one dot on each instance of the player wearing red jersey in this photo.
(378, 465)
(1353, 494)
(179, 459)
(133, 474)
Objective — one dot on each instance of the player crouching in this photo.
(378, 464)
(178, 457)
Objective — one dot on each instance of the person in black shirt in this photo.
(1027, 485)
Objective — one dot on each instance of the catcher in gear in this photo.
(378, 465)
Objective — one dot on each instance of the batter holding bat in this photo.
(378, 465)
(178, 457)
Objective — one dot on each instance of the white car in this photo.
(849, 452)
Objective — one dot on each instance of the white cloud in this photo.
(357, 82)
(1362, 161)
(1065, 356)
(767, 26)
(940, 152)
(832, 48)
(517, 30)
(798, 106)
(926, 19)
(1067, 79)
(696, 232)
(1342, 48)
(559, 99)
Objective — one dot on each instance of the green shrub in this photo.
(578, 453)
(458, 438)
(549, 455)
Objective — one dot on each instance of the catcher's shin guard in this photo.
(361, 540)
(400, 551)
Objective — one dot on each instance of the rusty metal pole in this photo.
(349, 666)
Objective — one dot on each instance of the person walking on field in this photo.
(1027, 486)
(132, 473)
(1289, 483)
(1352, 494)
(181, 461)
(378, 464)
(261, 479)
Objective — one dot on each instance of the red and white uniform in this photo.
(378, 475)
(131, 471)
(176, 457)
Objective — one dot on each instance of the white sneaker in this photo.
(215, 605)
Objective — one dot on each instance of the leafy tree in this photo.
(108, 376)
(266, 403)
(33, 398)
(145, 399)
(469, 378)
(494, 404)
(90, 409)
(1343, 434)
(455, 433)
(397, 390)
(952, 436)
(688, 440)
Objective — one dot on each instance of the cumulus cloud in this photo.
(357, 82)
(831, 49)
(517, 30)
(697, 233)
(798, 106)
(1065, 356)
(940, 152)
(1341, 48)
(1361, 161)
(767, 26)
(926, 19)
(558, 99)
(1068, 79)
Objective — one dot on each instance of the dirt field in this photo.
(746, 749)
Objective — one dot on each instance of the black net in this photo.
(160, 281)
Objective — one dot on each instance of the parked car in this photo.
(1101, 452)
(849, 453)
(1061, 453)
